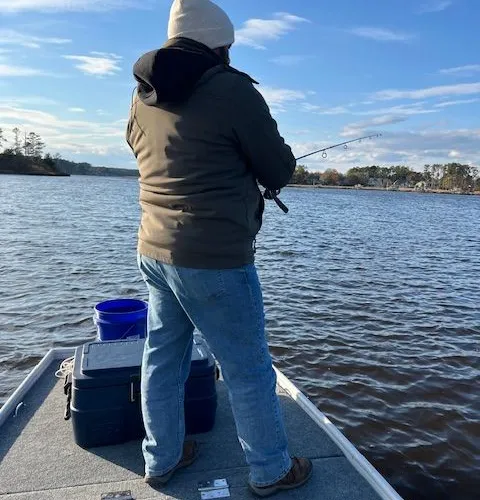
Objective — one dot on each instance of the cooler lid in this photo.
(115, 362)
(116, 355)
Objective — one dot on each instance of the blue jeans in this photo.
(226, 307)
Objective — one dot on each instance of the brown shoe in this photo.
(190, 454)
(297, 476)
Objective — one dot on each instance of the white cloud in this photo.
(277, 98)
(456, 103)
(13, 37)
(289, 60)
(305, 131)
(358, 128)
(30, 100)
(256, 32)
(434, 6)
(436, 145)
(313, 108)
(337, 110)
(381, 34)
(98, 64)
(66, 136)
(303, 148)
(76, 110)
(106, 54)
(322, 110)
(416, 108)
(459, 71)
(440, 91)
(7, 70)
(64, 5)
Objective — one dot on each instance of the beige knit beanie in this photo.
(202, 21)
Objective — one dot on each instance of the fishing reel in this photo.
(272, 194)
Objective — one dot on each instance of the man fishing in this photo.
(203, 136)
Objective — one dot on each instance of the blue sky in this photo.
(331, 70)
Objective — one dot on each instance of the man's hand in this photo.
(272, 194)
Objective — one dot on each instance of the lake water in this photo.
(372, 302)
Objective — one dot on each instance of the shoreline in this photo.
(373, 188)
(36, 174)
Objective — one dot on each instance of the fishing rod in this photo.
(344, 144)
(272, 194)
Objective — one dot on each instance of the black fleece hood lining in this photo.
(170, 74)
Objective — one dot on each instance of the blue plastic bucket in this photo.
(121, 319)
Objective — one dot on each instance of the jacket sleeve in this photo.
(269, 158)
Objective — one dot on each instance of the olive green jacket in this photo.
(199, 161)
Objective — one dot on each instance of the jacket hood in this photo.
(170, 74)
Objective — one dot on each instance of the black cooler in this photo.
(105, 398)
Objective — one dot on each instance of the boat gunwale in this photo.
(19, 394)
(353, 456)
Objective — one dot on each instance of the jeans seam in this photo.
(274, 401)
(258, 314)
(221, 283)
(277, 415)
(179, 400)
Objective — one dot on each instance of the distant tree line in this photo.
(451, 176)
(73, 168)
(31, 146)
